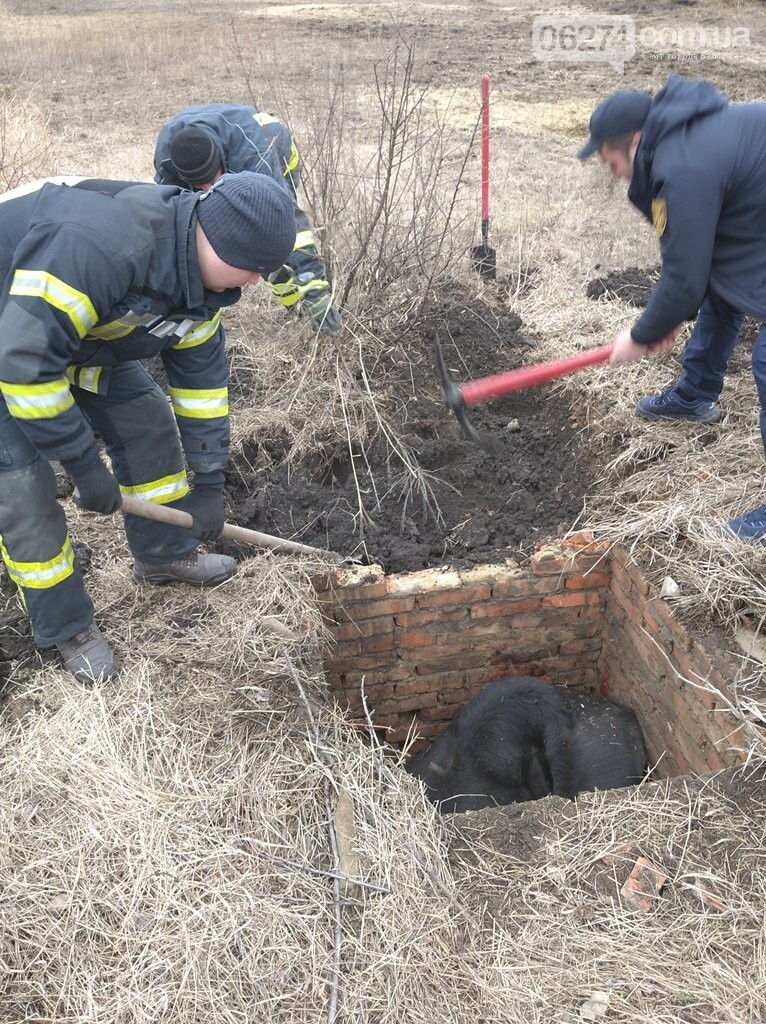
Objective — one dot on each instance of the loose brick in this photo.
(644, 885)
(580, 539)
(548, 561)
(585, 563)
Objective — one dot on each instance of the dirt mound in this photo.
(463, 505)
(633, 285)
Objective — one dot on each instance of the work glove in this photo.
(95, 487)
(317, 303)
(205, 505)
(313, 293)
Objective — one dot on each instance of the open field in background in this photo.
(165, 850)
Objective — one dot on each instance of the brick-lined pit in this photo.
(422, 643)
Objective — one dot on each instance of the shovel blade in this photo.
(484, 261)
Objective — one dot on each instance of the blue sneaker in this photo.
(751, 526)
(669, 405)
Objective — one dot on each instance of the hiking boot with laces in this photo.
(196, 569)
(671, 405)
(749, 527)
(88, 656)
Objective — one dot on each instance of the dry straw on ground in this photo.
(209, 841)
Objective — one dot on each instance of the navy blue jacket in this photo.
(705, 159)
(249, 139)
(102, 273)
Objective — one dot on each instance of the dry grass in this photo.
(564, 921)
(208, 841)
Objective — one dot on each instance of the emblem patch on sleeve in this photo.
(659, 216)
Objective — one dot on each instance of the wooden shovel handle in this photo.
(177, 517)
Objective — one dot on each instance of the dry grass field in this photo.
(208, 842)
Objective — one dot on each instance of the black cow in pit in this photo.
(522, 739)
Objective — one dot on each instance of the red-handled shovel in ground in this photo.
(459, 397)
(483, 257)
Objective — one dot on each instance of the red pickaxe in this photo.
(459, 397)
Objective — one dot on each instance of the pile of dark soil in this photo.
(633, 285)
(478, 507)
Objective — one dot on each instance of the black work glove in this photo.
(95, 487)
(205, 505)
(317, 303)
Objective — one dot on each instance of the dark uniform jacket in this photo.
(248, 139)
(101, 273)
(700, 177)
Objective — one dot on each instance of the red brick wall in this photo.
(422, 643)
(678, 686)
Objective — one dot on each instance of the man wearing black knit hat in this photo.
(696, 167)
(200, 143)
(98, 275)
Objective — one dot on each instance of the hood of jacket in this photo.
(679, 102)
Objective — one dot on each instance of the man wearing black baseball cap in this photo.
(619, 115)
(696, 167)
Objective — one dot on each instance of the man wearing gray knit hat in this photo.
(98, 276)
(249, 221)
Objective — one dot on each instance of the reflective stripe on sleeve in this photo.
(37, 401)
(200, 404)
(202, 333)
(112, 331)
(84, 377)
(162, 491)
(56, 293)
(40, 575)
(304, 238)
(294, 160)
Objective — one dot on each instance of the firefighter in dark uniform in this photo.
(696, 165)
(198, 145)
(95, 276)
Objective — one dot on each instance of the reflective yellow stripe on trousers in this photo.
(162, 491)
(40, 575)
(202, 404)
